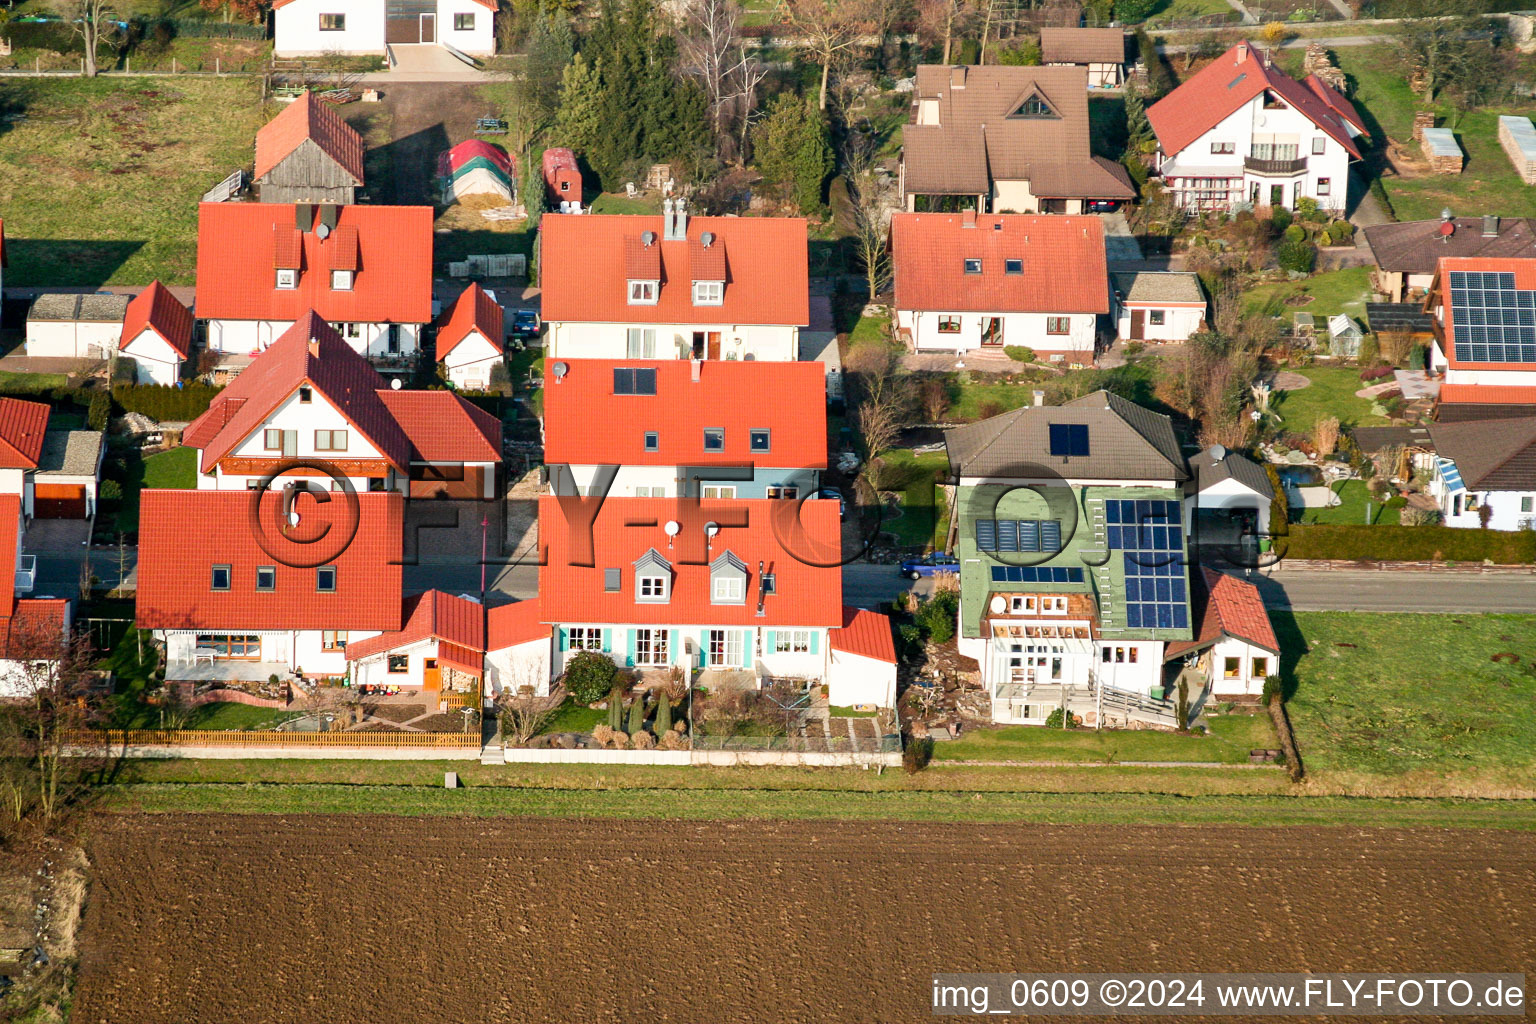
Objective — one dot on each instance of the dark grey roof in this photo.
(1399, 316)
(74, 306)
(1125, 442)
(1374, 439)
(1216, 464)
(70, 453)
(1415, 246)
(1462, 412)
(1492, 455)
(1159, 286)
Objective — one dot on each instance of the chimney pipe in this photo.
(666, 219)
(1242, 52)
(1039, 398)
(694, 366)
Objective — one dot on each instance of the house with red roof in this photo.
(1235, 649)
(966, 281)
(685, 429)
(366, 270)
(674, 286)
(33, 631)
(1241, 132)
(471, 335)
(519, 645)
(310, 28)
(308, 154)
(243, 585)
(310, 397)
(157, 335)
(1484, 313)
(439, 647)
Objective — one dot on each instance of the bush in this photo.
(1279, 219)
(1342, 232)
(916, 754)
(1412, 543)
(1273, 689)
(1306, 208)
(936, 618)
(1129, 12)
(110, 490)
(616, 708)
(590, 675)
(1297, 257)
(1374, 372)
(1056, 718)
(161, 403)
(1019, 353)
(909, 637)
(98, 411)
(1294, 233)
(663, 713)
(637, 716)
(1419, 516)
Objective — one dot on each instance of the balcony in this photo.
(1261, 165)
(26, 574)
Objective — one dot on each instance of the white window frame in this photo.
(287, 279)
(652, 587)
(718, 491)
(1157, 317)
(640, 343)
(1319, 145)
(1325, 186)
(654, 644)
(585, 638)
(341, 280)
(792, 641)
(727, 588)
(723, 648)
(643, 292)
(708, 293)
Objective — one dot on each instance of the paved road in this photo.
(1394, 591)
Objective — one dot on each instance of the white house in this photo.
(519, 647)
(470, 336)
(439, 648)
(965, 281)
(1153, 305)
(313, 27)
(861, 671)
(157, 335)
(674, 287)
(75, 326)
(1231, 489)
(1243, 131)
(1236, 648)
(1486, 469)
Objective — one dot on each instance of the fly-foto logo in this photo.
(301, 525)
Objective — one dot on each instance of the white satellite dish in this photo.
(672, 527)
(322, 232)
(394, 383)
(999, 605)
(293, 518)
(710, 529)
(560, 370)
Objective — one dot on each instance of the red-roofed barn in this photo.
(309, 154)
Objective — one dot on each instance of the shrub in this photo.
(1374, 372)
(1325, 435)
(1279, 509)
(916, 754)
(589, 675)
(637, 716)
(663, 713)
(1019, 353)
(1342, 232)
(909, 638)
(1056, 719)
(1412, 544)
(936, 618)
(1306, 208)
(162, 403)
(1419, 516)
(1279, 219)
(98, 411)
(1416, 357)
(616, 708)
(110, 490)
(643, 740)
(1273, 689)
(989, 408)
(1297, 256)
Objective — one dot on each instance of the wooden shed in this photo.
(309, 154)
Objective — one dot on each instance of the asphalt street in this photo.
(1398, 591)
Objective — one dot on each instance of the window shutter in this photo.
(746, 648)
(565, 637)
(815, 637)
(607, 640)
(674, 652)
(629, 648)
(772, 638)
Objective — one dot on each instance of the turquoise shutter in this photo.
(629, 648)
(674, 652)
(746, 648)
(769, 641)
(607, 640)
(815, 634)
(565, 637)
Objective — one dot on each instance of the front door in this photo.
(431, 675)
(1138, 324)
(992, 330)
(714, 344)
(429, 28)
(1277, 195)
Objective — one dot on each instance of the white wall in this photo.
(524, 664)
(251, 336)
(304, 418)
(479, 40)
(1507, 508)
(1018, 329)
(156, 361)
(72, 339)
(855, 679)
(471, 361)
(297, 30)
(588, 340)
(294, 648)
(1231, 494)
(1249, 681)
(374, 670)
(1518, 378)
(1179, 322)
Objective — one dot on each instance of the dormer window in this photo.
(1035, 108)
(653, 578)
(288, 279)
(643, 293)
(727, 580)
(341, 280)
(708, 293)
(973, 266)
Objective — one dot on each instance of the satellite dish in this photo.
(998, 604)
(710, 529)
(708, 238)
(560, 370)
(322, 232)
(1218, 452)
(394, 383)
(648, 238)
(672, 527)
(293, 518)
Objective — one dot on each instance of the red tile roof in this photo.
(35, 627)
(1487, 394)
(583, 261)
(184, 533)
(236, 263)
(156, 308)
(1524, 270)
(1064, 263)
(456, 623)
(10, 526)
(22, 426)
(864, 633)
(1232, 80)
(784, 535)
(443, 427)
(513, 624)
(474, 310)
(309, 117)
(309, 352)
(1233, 608)
(729, 394)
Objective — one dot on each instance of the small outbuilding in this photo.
(562, 177)
(1158, 305)
(470, 338)
(1344, 336)
(309, 154)
(75, 326)
(519, 649)
(1233, 496)
(861, 670)
(476, 167)
(67, 475)
(1100, 51)
(157, 335)
(1235, 649)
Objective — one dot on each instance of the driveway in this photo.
(62, 547)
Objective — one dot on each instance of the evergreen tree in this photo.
(580, 96)
(550, 49)
(793, 152)
(637, 715)
(663, 714)
(814, 162)
(616, 708)
(531, 188)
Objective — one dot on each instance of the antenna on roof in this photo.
(672, 528)
(560, 370)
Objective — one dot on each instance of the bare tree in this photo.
(939, 21)
(91, 20)
(827, 28)
(883, 402)
(522, 713)
(872, 203)
(712, 52)
(48, 668)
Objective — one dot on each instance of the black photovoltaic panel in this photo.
(1494, 322)
(1035, 574)
(1151, 535)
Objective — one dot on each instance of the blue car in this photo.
(917, 568)
(525, 323)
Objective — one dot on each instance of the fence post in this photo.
(218, 66)
(173, 65)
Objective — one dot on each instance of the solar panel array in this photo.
(1494, 321)
(1035, 574)
(1018, 534)
(1150, 534)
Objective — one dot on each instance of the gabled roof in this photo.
(10, 525)
(1231, 608)
(1064, 263)
(1416, 246)
(490, 155)
(23, 425)
(584, 269)
(309, 118)
(35, 627)
(1217, 464)
(787, 398)
(157, 309)
(1466, 324)
(865, 633)
(441, 426)
(184, 533)
(240, 246)
(1491, 455)
(1082, 45)
(1126, 442)
(474, 310)
(1235, 78)
(751, 531)
(978, 139)
(456, 623)
(517, 623)
(310, 352)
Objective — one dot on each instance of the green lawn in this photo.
(1415, 697)
(230, 715)
(176, 468)
(28, 383)
(573, 717)
(1180, 10)
(924, 518)
(1336, 291)
(1351, 510)
(1231, 738)
(1332, 393)
(609, 202)
(100, 181)
(870, 329)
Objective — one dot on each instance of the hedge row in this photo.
(1411, 544)
(161, 403)
(56, 35)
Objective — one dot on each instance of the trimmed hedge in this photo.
(1411, 544)
(162, 403)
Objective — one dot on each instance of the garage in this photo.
(59, 501)
(411, 21)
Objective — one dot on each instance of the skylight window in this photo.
(1014, 267)
(630, 380)
(1069, 439)
(973, 266)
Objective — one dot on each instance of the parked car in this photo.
(917, 568)
(525, 323)
(1102, 205)
(829, 493)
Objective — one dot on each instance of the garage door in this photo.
(403, 21)
(59, 501)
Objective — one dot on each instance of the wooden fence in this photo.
(117, 738)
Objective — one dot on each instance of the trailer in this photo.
(562, 178)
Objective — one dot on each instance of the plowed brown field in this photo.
(384, 920)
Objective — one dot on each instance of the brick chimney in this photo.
(968, 219)
(1242, 52)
